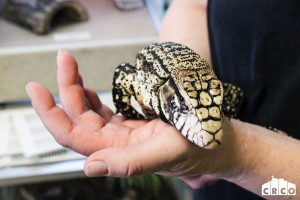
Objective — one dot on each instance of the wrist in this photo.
(263, 154)
(231, 162)
(241, 153)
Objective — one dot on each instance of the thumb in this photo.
(118, 162)
(132, 160)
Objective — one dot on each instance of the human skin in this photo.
(249, 155)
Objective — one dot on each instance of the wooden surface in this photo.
(40, 16)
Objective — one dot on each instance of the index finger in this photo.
(52, 116)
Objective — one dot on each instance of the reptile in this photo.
(174, 83)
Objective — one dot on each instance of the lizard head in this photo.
(191, 101)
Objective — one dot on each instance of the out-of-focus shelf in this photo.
(109, 37)
(41, 173)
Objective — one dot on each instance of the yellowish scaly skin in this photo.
(174, 83)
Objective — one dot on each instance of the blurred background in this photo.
(101, 35)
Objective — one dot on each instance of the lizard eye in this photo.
(181, 99)
(170, 98)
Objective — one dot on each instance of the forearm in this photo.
(252, 154)
(263, 154)
(188, 28)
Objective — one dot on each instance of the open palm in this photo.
(88, 127)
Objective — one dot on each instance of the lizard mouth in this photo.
(206, 133)
(192, 112)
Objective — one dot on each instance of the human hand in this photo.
(115, 146)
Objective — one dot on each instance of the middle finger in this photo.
(70, 90)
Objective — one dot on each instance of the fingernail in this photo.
(27, 87)
(58, 55)
(97, 168)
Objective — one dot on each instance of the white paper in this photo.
(9, 141)
(34, 137)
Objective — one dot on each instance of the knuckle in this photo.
(62, 142)
(134, 169)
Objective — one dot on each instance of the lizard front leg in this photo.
(125, 85)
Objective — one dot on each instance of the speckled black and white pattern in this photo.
(174, 83)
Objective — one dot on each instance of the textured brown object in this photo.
(41, 15)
